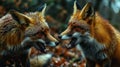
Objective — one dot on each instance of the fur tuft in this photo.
(40, 60)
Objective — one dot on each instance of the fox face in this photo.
(81, 20)
(39, 26)
(17, 29)
(87, 20)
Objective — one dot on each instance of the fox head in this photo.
(15, 26)
(81, 20)
(39, 27)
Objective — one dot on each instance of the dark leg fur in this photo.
(103, 59)
(90, 63)
(99, 55)
(105, 63)
(19, 60)
(92, 49)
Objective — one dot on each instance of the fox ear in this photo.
(76, 7)
(87, 11)
(42, 9)
(21, 18)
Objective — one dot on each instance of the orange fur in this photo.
(12, 37)
(14, 26)
(104, 33)
(99, 28)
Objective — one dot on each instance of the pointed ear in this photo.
(76, 7)
(42, 10)
(21, 18)
(87, 11)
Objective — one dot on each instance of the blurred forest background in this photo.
(59, 11)
(57, 16)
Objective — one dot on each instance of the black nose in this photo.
(59, 36)
(57, 43)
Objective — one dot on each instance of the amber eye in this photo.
(89, 22)
(73, 22)
(78, 29)
(42, 29)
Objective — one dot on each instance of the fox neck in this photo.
(101, 30)
(13, 38)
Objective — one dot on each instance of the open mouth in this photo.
(42, 45)
(75, 39)
(34, 52)
(72, 43)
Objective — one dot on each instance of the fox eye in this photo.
(73, 22)
(42, 29)
(89, 22)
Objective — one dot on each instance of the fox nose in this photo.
(52, 44)
(57, 43)
(59, 36)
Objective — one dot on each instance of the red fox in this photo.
(99, 40)
(19, 32)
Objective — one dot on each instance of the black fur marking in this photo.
(14, 54)
(39, 8)
(78, 6)
(19, 60)
(7, 28)
(25, 45)
(14, 16)
(90, 11)
(93, 50)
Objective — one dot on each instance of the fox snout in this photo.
(75, 39)
(52, 41)
(40, 28)
(65, 37)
